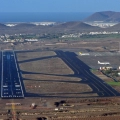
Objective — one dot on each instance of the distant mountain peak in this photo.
(104, 16)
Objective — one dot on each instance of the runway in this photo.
(10, 76)
(81, 70)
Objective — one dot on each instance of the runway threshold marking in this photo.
(10, 77)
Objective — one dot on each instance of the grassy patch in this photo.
(102, 36)
(114, 83)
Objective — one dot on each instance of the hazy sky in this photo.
(59, 5)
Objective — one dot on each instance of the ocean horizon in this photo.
(43, 17)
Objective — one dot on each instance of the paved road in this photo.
(83, 71)
(10, 77)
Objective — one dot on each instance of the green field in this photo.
(102, 36)
(114, 83)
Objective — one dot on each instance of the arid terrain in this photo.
(46, 74)
(53, 87)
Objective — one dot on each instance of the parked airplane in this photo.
(103, 63)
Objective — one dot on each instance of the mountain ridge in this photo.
(104, 16)
(75, 25)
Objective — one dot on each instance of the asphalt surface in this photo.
(10, 77)
(81, 70)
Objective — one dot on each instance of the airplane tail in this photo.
(98, 62)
